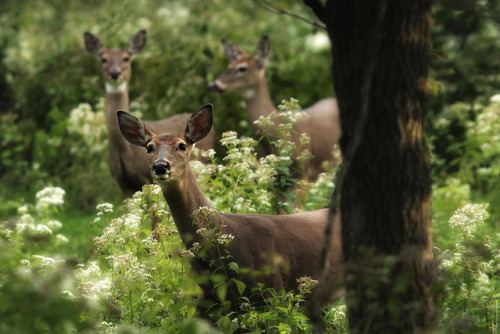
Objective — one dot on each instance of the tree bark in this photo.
(380, 54)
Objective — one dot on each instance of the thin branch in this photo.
(314, 306)
(267, 5)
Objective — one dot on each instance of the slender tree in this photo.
(380, 54)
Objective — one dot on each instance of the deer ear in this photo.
(137, 42)
(199, 124)
(263, 48)
(233, 52)
(133, 129)
(93, 44)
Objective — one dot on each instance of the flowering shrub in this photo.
(89, 127)
(469, 274)
(475, 159)
(248, 184)
(37, 282)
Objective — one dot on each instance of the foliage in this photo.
(464, 71)
(470, 275)
(478, 165)
(36, 281)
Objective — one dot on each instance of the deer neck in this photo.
(116, 99)
(258, 100)
(184, 198)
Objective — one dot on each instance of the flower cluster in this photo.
(306, 285)
(466, 219)
(93, 284)
(224, 239)
(103, 210)
(39, 223)
(49, 198)
(48, 264)
(90, 127)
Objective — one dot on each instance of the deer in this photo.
(246, 73)
(294, 241)
(127, 163)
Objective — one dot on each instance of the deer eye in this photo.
(126, 59)
(182, 147)
(104, 60)
(242, 69)
(149, 148)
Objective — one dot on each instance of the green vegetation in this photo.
(75, 258)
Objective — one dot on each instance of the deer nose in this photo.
(214, 88)
(114, 74)
(161, 167)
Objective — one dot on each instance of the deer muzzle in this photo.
(216, 87)
(114, 74)
(161, 170)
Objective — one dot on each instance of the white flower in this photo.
(61, 239)
(144, 22)
(43, 229)
(102, 288)
(92, 272)
(49, 197)
(149, 242)
(304, 139)
(68, 294)
(122, 262)
(26, 263)
(225, 238)
(210, 153)
(26, 224)
(22, 210)
(48, 262)
(243, 123)
(495, 98)
(229, 137)
(132, 220)
(54, 225)
(105, 207)
(264, 122)
(90, 126)
(195, 248)
(466, 219)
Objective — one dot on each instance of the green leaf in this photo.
(223, 322)
(282, 309)
(221, 291)
(234, 267)
(241, 286)
(226, 305)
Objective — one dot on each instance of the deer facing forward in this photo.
(296, 239)
(246, 74)
(127, 162)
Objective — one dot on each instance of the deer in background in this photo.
(295, 239)
(246, 73)
(127, 162)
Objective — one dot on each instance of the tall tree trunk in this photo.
(380, 68)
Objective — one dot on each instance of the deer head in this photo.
(169, 153)
(116, 68)
(244, 71)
